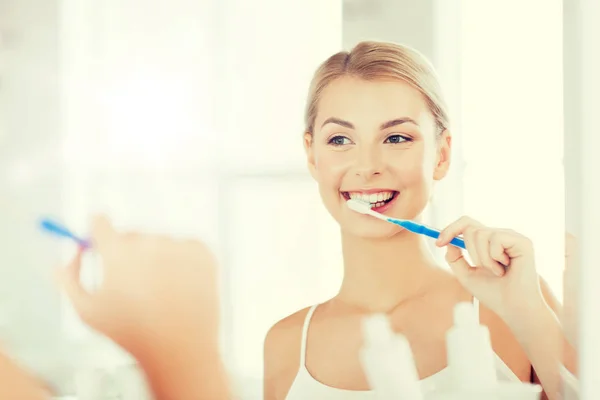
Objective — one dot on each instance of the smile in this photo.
(376, 199)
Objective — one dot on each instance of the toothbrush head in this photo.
(364, 208)
(359, 206)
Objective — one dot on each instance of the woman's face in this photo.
(376, 141)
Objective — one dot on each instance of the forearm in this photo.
(541, 336)
(16, 383)
(188, 374)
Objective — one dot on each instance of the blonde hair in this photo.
(374, 61)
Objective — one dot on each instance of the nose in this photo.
(369, 163)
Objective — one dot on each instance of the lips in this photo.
(378, 199)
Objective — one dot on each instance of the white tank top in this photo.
(306, 387)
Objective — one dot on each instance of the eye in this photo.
(339, 141)
(396, 139)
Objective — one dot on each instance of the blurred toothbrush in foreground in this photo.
(57, 229)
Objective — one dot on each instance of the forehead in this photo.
(365, 102)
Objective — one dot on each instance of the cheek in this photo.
(413, 168)
(331, 167)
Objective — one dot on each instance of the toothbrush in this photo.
(412, 226)
(58, 229)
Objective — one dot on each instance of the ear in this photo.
(444, 155)
(310, 156)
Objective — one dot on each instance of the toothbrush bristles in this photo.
(359, 206)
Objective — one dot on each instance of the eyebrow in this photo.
(385, 125)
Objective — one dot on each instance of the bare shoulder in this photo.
(285, 334)
(282, 354)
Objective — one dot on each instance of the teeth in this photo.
(373, 198)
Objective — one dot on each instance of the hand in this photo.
(16, 383)
(503, 276)
(159, 301)
(156, 292)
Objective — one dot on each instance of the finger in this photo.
(471, 245)
(103, 232)
(459, 265)
(484, 249)
(68, 279)
(456, 260)
(455, 229)
(467, 275)
(497, 252)
(514, 244)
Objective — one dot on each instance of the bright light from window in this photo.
(512, 120)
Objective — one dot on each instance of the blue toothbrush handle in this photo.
(432, 233)
(458, 242)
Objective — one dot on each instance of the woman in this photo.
(377, 129)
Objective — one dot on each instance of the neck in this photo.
(380, 274)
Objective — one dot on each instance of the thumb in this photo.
(102, 233)
(461, 268)
(68, 279)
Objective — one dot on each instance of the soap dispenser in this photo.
(388, 362)
(469, 349)
(472, 364)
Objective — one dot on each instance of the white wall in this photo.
(401, 21)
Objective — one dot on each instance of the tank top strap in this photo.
(307, 319)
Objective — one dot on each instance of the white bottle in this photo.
(501, 391)
(470, 353)
(388, 362)
(471, 362)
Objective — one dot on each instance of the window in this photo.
(187, 118)
(512, 122)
